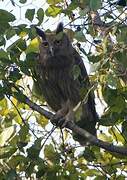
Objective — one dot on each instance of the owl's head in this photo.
(55, 43)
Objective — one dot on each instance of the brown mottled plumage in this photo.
(54, 77)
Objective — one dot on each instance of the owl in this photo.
(56, 82)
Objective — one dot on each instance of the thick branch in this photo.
(72, 126)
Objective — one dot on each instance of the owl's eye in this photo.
(45, 44)
(57, 42)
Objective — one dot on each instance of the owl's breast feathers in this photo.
(57, 84)
(56, 81)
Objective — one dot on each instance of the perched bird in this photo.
(55, 79)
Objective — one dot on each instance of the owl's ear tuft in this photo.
(40, 33)
(59, 28)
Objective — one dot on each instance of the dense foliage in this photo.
(29, 145)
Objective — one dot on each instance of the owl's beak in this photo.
(51, 51)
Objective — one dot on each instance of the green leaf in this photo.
(34, 150)
(121, 56)
(83, 12)
(53, 11)
(31, 59)
(124, 129)
(119, 105)
(30, 14)
(79, 36)
(50, 153)
(15, 75)
(112, 80)
(95, 5)
(3, 54)
(7, 151)
(19, 45)
(92, 172)
(109, 95)
(16, 49)
(72, 6)
(40, 15)
(94, 59)
(109, 118)
(6, 16)
(88, 154)
(100, 178)
(11, 175)
(24, 133)
(20, 97)
(121, 177)
(4, 59)
(23, 1)
(2, 41)
(121, 35)
(53, 2)
(110, 169)
(24, 67)
(4, 27)
(6, 134)
(21, 28)
(10, 33)
(41, 171)
(1, 92)
(16, 160)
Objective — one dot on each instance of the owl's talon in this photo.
(57, 120)
(61, 122)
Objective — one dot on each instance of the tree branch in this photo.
(72, 126)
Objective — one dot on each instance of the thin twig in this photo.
(53, 129)
(21, 116)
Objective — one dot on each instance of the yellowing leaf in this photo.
(122, 83)
(53, 11)
(116, 135)
(33, 46)
(104, 137)
(53, 1)
(78, 111)
(7, 134)
(14, 101)
(42, 120)
(22, 34)
(4, 112)
(18, 118)
(3, 107)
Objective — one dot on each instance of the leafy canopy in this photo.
(29, 146)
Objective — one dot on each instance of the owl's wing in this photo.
(89, 115)
(83, 77)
